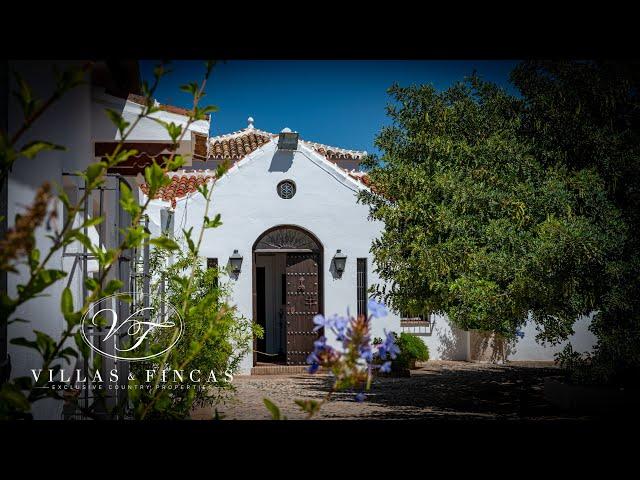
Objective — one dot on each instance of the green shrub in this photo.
(411, 349)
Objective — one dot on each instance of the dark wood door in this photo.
(302, 305)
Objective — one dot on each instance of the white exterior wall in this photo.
(324, 204)
(68, 123)
(447, 342)
(527, 348)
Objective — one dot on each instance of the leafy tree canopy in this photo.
(486, 222)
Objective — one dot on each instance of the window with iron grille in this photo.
(286, 189)
(213, 263)
(361, 281)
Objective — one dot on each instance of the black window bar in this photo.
(361, 286)
(132, 269)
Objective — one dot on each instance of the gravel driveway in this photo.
(438, 389)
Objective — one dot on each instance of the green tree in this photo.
(477, 224)
(586, 116)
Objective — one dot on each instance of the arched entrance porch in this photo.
(287, 293)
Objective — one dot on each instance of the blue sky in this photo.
(339, 103)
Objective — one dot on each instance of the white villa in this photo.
(296, 239)
(290, 216)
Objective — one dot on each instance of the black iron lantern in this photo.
(236, 262)
(339, 261)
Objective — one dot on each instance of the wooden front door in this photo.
(303, 302)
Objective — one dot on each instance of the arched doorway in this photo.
(287, 293)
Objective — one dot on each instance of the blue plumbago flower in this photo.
(366, 353)
(385, 367)
(519, 333)
(320, 322)
(360, 397)
(320, 343)
(389, 347)
(376, 309)
(339, 327)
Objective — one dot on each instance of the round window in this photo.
(286, 189)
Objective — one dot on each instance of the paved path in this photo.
(439, 389)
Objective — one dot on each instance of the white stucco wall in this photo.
(325, 204)
(527, 348)
(146, 129)
(447, 342)
(67, 123)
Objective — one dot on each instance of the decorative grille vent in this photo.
(286, 189)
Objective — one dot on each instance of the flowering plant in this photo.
(351, 363)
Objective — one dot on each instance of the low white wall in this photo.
(446, 342)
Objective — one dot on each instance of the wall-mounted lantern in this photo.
(339, 262)
(288, 140)
(235, 261)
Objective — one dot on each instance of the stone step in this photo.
(279, 369)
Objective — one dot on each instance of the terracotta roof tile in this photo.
(140, 100)
(238, 146)
(180, 186)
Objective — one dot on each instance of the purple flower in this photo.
(389, 346)
(385, 367)
(376, 309)
(320, 344)
(339, 326)
(360, 397)
(320, 322)
(366, 353)
(313, 368)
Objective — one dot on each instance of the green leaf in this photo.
(91, 284)
(155, 177)
(68, 353)
(117, 119)
(93, 172)
(164, 243)
(176, 162)
(41, 281)
(191, 88)
(25, 97)
(174, 131)
(69, 78)
(127, 201)
(212, 223)
(273, 409)
(23, 342)
(204, 190)
(31, 149)
(121, 156)
(66, 302)
(11, 394)
(112, 287)
(34, 259)
(187, 236)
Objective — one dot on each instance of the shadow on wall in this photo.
(451, 343)
(281, 161)
(333, 271)
(489, 347)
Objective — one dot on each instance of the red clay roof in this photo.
(140, 100)
(180, 186)
(237, 147)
